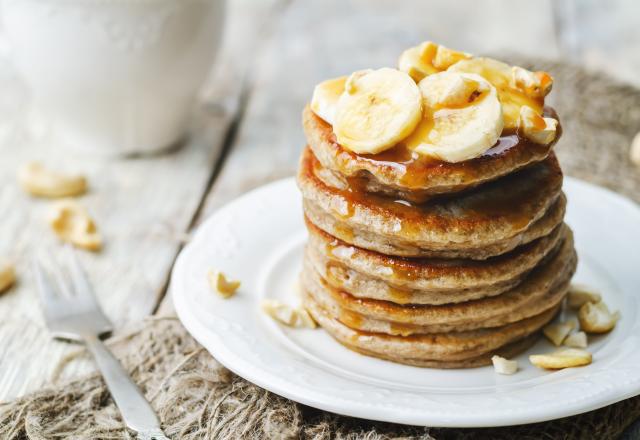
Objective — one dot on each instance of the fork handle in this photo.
(136, 411)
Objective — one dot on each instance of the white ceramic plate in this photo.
(259, 238)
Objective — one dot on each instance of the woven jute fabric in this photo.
(196, 398)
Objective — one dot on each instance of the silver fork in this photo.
(72, 312)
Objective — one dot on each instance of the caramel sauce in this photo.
(330, 277)
(350, 319)
(396, 294)
(347, 303)
(399, 296)
(405, 268)
(344, 232)
(412, 273)
(355, 321)
(415, 169)
(399, 329)
(513, 199)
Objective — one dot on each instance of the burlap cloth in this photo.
(196, 398)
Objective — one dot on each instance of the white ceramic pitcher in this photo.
(114, 77)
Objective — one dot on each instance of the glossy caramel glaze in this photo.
(502, 208)
(411, 176)
(403, 269)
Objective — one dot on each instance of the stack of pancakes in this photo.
(431, 263)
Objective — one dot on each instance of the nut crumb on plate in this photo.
(596, 318)
(564, 358)
(504, 366)
(220, 284)
(557, 332)
(576, 340)
(580, 294)
(287, 315)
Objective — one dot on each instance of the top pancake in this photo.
(402, 173)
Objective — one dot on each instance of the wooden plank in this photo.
(601, 35)
(143, 208)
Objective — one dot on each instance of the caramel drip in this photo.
(344, 232)
(330, 268)
(415, 168)
(399, 329)
(511, 199)
(351, 319)
(396, 294)
(400, 296)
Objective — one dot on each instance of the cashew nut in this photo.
(72, 223)
(43, 182)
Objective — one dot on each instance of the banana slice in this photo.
(378, 109)
(428, 58)
(536, 128)
(325, 98)
(462, 117)
(417, 61)
(446, 57)
(501, 76)
(534, 84)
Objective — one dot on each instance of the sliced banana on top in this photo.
(501, 76)
(536, 128)
(325, 98)
(446, 57)
(417, 61)
(428, 58)
(378, 109)
(534, 84)
(462, 117)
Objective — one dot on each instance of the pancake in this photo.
(507, 351)
(544, 288)
(403, 174)
(452, 350)
(364, 273)
(480, 223)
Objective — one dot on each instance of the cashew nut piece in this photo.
(7, 275)
(43, 182)
(72, 224)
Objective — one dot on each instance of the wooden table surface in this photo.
(247, 134)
